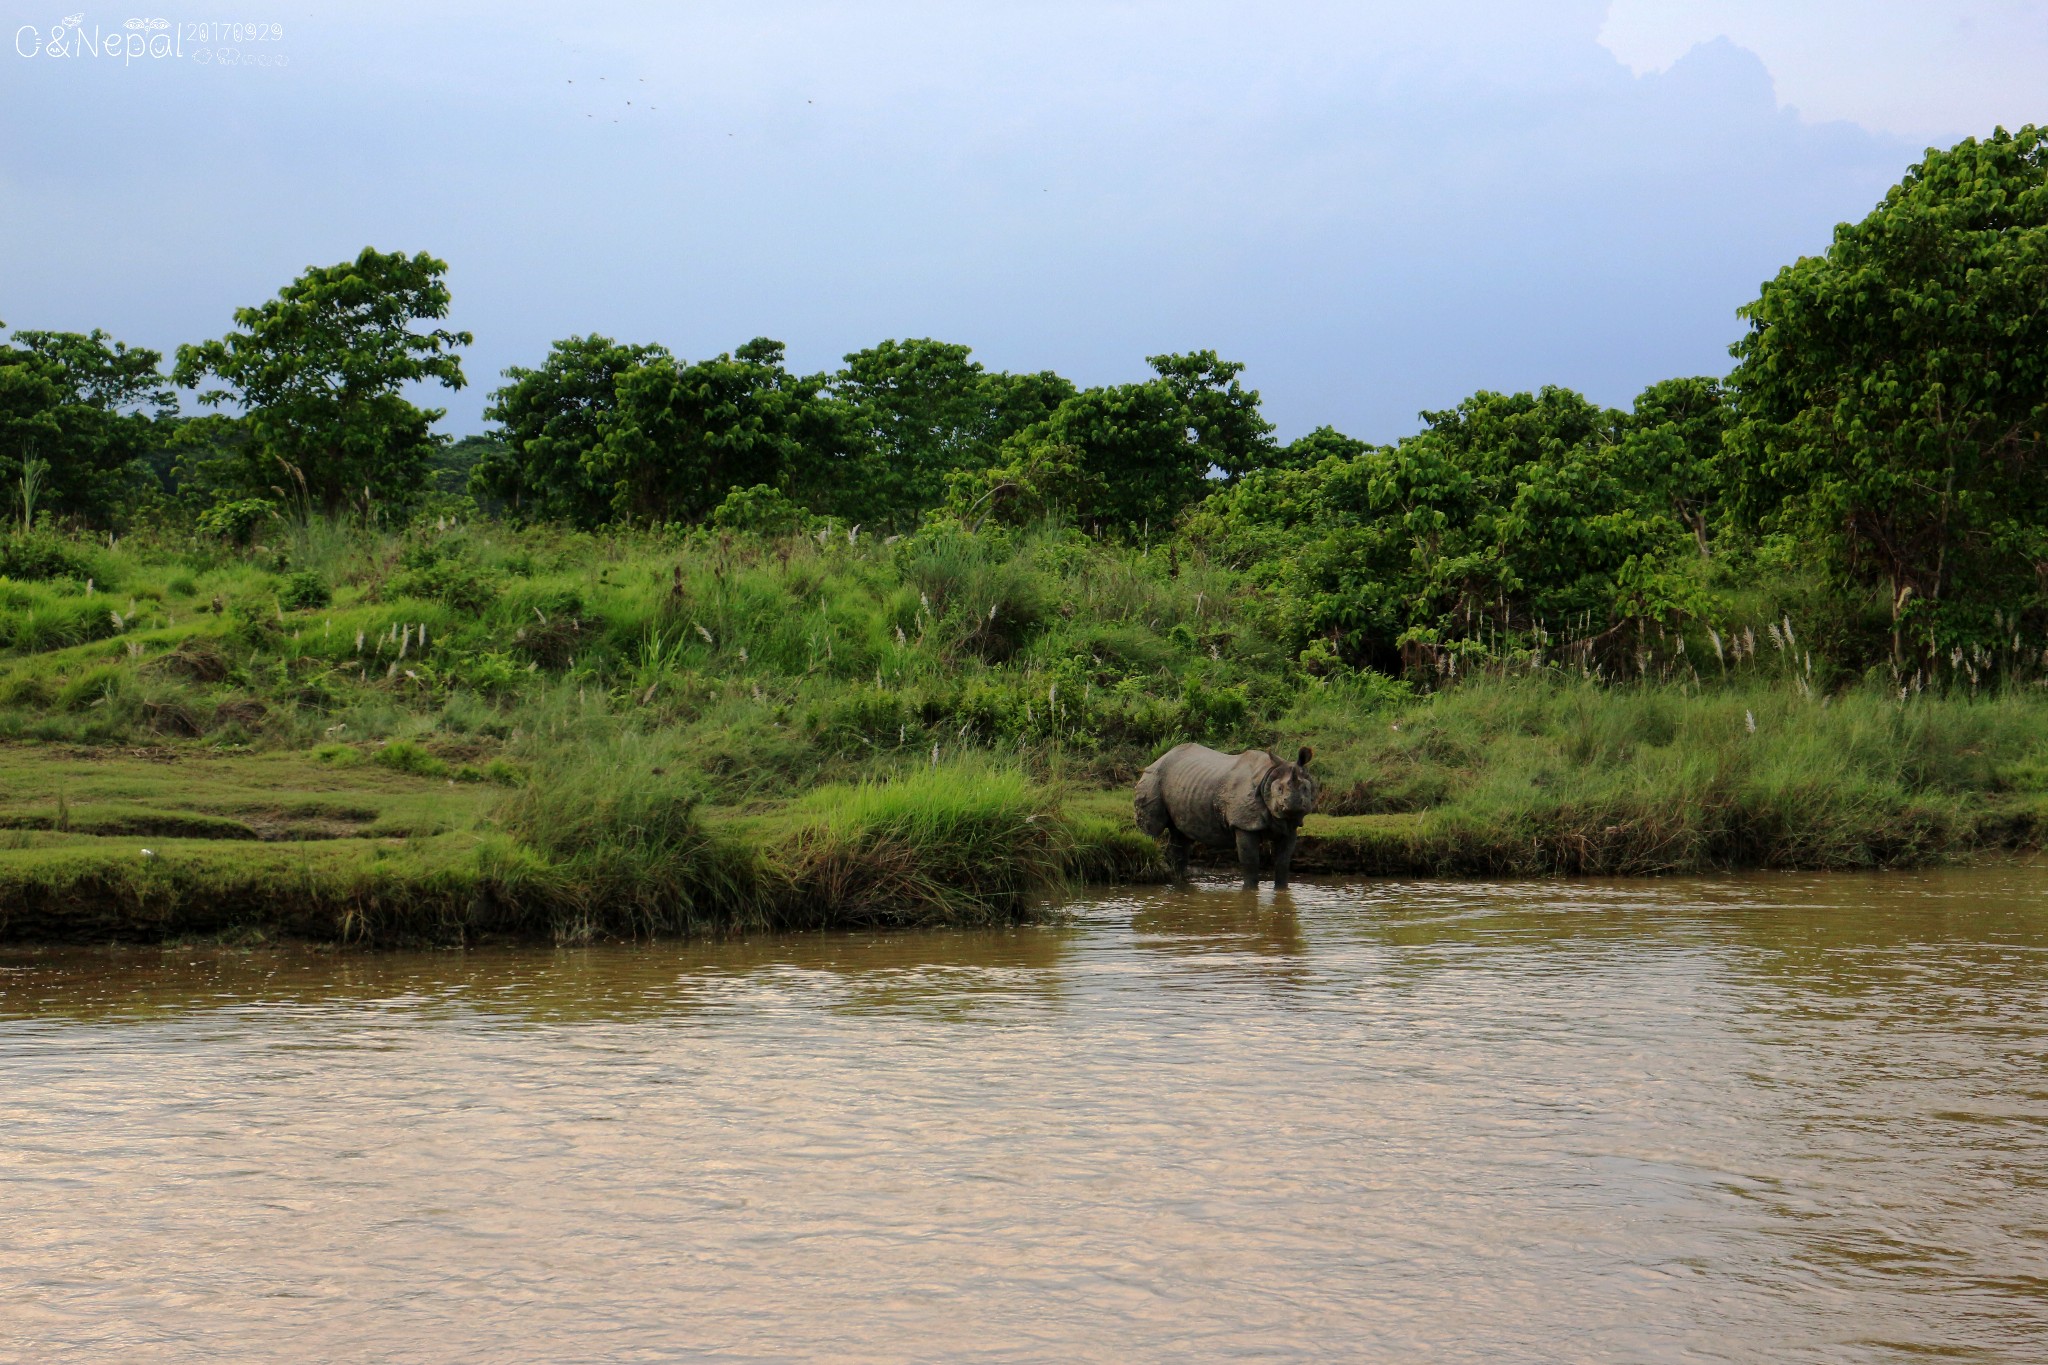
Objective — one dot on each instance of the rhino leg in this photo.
(1283, 856)
(1248, 856)
(1177, 845)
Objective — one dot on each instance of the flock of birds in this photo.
(643, 81)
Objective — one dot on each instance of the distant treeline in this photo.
(1876, 453)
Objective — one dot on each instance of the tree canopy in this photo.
(1882, 441)
(554, 418)
(922, 410)
(684, 435)
(1507, 515)
(80, 408)
(1894, 394)
(319, 372)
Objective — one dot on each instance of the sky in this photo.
(1378, 207)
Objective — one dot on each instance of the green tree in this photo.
(1508, 512)
(1894, 395)
(922, 411)
(83, 409)
(208, 458)
(1127, 455)
(1672, 446)
(452, 469)
(319, 370)
(685, 435)
(1222, 415)
(1319, 445)
(554, 418)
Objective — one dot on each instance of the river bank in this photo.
(168, 843)
(462, 732)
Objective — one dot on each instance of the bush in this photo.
(42, 554)
(254, 623)
(404, 756)
(761, 510)
(455, 582)
(235, 522)
(304, 591)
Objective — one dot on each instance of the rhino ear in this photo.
(1306, 754)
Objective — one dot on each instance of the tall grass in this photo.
(623, 833)
(619, 832)
(1548, 774)
(962, 844)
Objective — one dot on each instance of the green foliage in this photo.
(760, 510)
(236, 522)
(319, 370)
(555, 418)
(78, 413)
(404, 756)
(922, 411)
(1126, 459)
(443, 570)
(1036, 481)
(1549, 775)
(254, 623)
(1508, 519)
(1894, 395)
(684, 435)
(1672, 448)
(602, 432)
(452, 468)
(1319, 445)
(1118, 459)
(959, 844)
(42, 554)
(1223, 415)
(303, 591)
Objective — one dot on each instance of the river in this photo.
(1763, 1117)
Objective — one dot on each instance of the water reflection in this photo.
(946, 973)
(1742, 1118)
(1202, 921)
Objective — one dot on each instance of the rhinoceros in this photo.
(1194, 795)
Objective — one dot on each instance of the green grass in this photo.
(488, 731)
(1541, 775)
(592, 849)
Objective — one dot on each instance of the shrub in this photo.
(235, 522)
(42, 554)
(404, 756)
(761, 510)
(254, 623)
(456, 582)
(304, 591)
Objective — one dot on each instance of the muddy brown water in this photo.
(1785, 1118)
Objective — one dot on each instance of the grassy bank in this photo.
(170, 843)
(459, 732)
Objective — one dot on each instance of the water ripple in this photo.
(1768, 1117)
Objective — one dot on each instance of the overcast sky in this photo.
(1379, 207)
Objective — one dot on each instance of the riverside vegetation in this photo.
(688, 647)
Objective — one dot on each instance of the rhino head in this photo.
(1289, 792)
